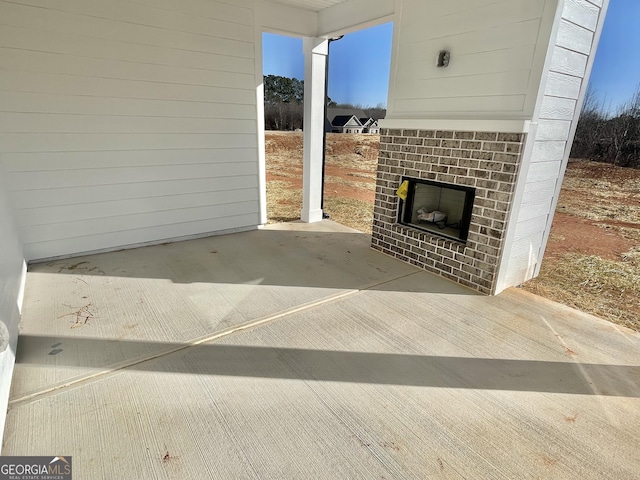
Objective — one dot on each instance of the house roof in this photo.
(342, 120)
(368, 121)
(334, 112)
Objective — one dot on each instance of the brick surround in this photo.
(487, 161)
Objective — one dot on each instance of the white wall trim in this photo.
(353, 15)
(574, 125)
(548, 33)
(13, 276)
(512, 220)
(262, 161)
(470, 125)
(516, 203)
(393, 67)
(285, 20)
(316, 51)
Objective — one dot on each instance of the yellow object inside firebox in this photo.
(403, 190)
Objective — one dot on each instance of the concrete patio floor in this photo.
(296, 351)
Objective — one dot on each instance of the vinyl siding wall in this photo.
(12, 276)
(497, 53)
(126, 122)
(542, 177)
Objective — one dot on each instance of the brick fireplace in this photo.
(484, 162)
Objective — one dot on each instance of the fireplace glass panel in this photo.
(438, 208)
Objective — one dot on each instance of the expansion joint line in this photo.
(197, 342)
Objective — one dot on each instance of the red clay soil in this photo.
(334, 189)
(612, 173)
(571, 234)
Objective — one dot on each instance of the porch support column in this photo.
(315, 67)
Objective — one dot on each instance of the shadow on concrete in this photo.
(344, 366)
(300, 258)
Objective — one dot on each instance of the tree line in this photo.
(284, 104)
(611, 138)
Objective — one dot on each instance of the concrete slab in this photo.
(181, 293)
(394, 374)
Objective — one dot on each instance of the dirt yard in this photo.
(350, 177)
(592, 260)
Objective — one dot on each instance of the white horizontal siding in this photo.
(70, 43)
(33, 162)
(49, 215)
(108, 176)
(131, 221)
(79, 66)
(467, 16)
(12, 277)
(122, 107)
(569, 62)
(142, 192)
(574, 37)
(452, 105)
(542, 178)
(581, 12)
(70, 142)
(11, 122)
(557, 108)
(129, 15)
(45, 20)
(485, 85)
(562, 85)
(523, 264)
(127, 122)
(538, 192)
(106, 88)
(135, 236)
(551, 129)
(496, 47)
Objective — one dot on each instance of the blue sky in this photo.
(359, 63)
(616, 69)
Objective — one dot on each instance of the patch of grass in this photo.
(352, 161)
(632, 257)
(284, 142)
(350, 212)
(599, 191)
(609, 196)
(286, 170)
(368, 186)
(364, 146)
(354, 156)
(283, 202)
(606, 288)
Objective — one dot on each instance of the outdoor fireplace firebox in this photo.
(438, 208)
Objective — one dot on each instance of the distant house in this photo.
(346, 124)
(369, 125)
(342, 120)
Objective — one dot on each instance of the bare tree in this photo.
(623, 131)
(609, 138)
(591, 125)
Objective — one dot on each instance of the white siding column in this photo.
(315, 67)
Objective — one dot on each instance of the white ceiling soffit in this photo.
(324, 17)
(313, 5)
